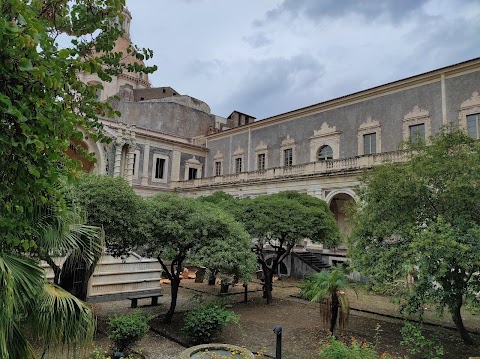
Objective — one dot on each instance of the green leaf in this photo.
(25, 65)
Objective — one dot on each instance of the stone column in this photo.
(146, 155)
(118, 159)
(176, 157)
(129, 172)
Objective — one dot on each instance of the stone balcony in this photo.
(306, 169)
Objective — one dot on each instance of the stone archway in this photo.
(72, 152)
(338, 202)
(99, 165)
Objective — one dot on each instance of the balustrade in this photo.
(301, 169)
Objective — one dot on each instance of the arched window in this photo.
(325, 153)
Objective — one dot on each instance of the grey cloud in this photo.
(394, 10)
(276, 84)
(258, 40)
(207, 68)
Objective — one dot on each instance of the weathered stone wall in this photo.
(389, 109)
(166, 117)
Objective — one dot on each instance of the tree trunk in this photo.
(457, 319)
(268, 285)
(174, 275)
(175, 283)
(335, 306)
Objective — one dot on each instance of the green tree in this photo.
(280, 221)
(43, 107)
(425, 215)
(328, 289)
(109, 203)
(179, 227)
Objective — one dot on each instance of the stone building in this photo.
(165, 141)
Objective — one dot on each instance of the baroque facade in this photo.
(165, 141)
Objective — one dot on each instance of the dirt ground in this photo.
(302, 330)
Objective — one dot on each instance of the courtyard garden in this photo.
(374, 320)
(415, 231)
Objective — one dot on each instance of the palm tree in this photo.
(31, 305)
(327, 288)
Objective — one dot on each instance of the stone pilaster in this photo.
(146, 155)
(175, 176)
(118, 159)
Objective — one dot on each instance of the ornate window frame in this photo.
(325, 136)
(165, 167)
(288, 143)
(366, 128)
(136, 164)
(193, 163)
(416, 117)
(261, 149)
(468, 107)
(238, 154)
(217, 158)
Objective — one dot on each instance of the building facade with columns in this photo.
(164, 141)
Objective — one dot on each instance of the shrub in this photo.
(418, 345)
(127, 330)
(335, 349)
(205, 322)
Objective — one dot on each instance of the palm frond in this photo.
(64, 321)
(20, 282)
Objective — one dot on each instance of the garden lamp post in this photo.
(278, 331)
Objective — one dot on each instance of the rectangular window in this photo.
(417, 133)
(192, 173)
(261, 162)
(134, 163)
(218, 168)
(370, 143)
(288, 157)
(159, 167)
(238, 165)
(473, 125)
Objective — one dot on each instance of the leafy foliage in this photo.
(335, 349)
(179, 227)
(112, 204)
(43, 109)
(205, 322)
(421, 220)
(43, 105)
(126, 330)
(417, 344)
(280, 221)
(328, 289)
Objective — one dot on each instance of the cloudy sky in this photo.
(266, 57)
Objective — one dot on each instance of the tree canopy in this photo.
(179, 227)
(45, 108)
(111, 203)
(423, 218)
(43, 105)
(280, 221)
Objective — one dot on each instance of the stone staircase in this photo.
(314, 260)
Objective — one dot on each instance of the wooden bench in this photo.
(135, 298)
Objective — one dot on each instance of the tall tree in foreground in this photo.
(43, 107)
(180, 227)
(424, 214)
(279, 222)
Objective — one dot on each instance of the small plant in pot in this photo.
(125, 331)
